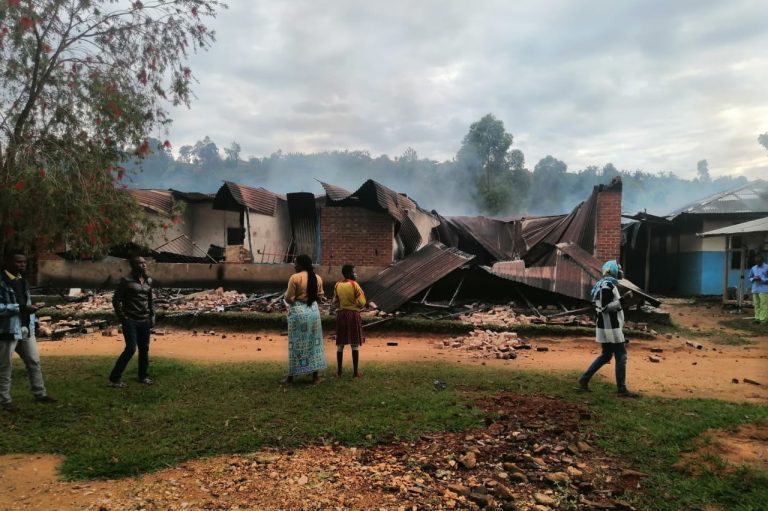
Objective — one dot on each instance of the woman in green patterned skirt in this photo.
(305, 333)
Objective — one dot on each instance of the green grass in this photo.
(653, 432)
(199, 410)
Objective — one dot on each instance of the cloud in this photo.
(651, 85)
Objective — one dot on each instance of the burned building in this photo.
(184, 225)
(262, 233)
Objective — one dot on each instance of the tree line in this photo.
(487, 176)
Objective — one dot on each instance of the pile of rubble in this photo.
(174, 301)
(49, 328)
(508, 315)
(498, 315)
(531, 455)
(488, 344)
(218, 300)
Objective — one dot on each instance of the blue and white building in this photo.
(669, 257)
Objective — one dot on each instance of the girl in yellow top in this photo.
(349, 300)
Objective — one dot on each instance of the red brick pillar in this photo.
(608, 221)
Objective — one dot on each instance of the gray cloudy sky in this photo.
(654, 85)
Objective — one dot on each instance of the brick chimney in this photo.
(608, 221)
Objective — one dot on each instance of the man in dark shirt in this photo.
(17, 331)
(133, 306)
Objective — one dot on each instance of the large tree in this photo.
(83, 83)
(498, 174)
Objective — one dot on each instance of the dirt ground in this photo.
(681, 371)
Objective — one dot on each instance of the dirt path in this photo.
(683, 371)
(30, 482)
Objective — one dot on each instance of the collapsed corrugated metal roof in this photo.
(160, 201)
(372, 195)
(192, 196)
(233, 197)
(163, 201)
(573, 273)
(335, 193)
(577, 227)
(405, 279)
(529, 239)
(501, 240)
(750, 198)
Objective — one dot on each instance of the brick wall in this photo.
(355, 236)
(608, 223)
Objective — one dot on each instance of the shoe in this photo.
(117, 384)
(147, 381)
(358, 375)
(9, 407)
(583, 387)
(628, 394)
(45, 399)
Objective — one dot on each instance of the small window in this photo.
(235, 235)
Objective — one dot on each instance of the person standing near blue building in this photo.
(758, 275)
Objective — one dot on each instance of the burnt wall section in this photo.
(358, 236)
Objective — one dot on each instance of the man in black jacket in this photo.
(134, 308)
(17, 330)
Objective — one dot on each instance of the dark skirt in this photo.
(349, 328)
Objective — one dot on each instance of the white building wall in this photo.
(716, 243)
(209, 226)
(165, 230)
(270, 235)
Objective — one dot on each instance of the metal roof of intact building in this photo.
(750, 198)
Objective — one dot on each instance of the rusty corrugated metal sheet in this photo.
(416, 229)
(192, 196)
(233, 197)
(573, 273)
(577, 227)
(565, 276)
(407, 278)
(335, 193)
(502, 240)
(160, 201)
(372, 195)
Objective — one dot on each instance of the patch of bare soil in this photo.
(530, 455)
(725, 451)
